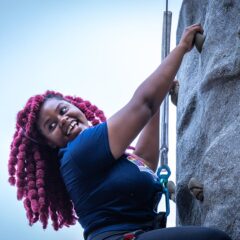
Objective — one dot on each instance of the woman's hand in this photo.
(187, 39)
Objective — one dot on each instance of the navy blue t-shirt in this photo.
(107, 194)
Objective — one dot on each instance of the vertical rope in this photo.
(166, 29)
(165, 105)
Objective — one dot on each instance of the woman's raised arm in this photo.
(127, 123)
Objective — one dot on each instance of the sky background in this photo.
(99, 50)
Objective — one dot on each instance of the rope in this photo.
(164, 171)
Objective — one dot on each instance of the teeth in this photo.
(71, 126)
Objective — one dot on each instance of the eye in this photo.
(52, 126)
(63, 110)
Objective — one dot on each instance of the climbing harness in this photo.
(163, 171)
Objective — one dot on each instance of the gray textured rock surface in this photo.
(208, 117)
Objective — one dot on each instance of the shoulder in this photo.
(88, 136)
(91, 147)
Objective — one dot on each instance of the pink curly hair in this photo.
(33, 166)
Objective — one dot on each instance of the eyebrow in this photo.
(56, 110)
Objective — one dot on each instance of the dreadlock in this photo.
(34, 168)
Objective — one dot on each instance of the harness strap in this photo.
(158, 222)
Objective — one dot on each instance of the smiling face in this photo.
(60, 122)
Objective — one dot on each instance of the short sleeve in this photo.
(90, 150)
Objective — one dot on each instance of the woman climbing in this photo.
(68, 162)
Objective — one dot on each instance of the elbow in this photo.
(151, 106)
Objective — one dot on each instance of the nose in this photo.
(62, 121)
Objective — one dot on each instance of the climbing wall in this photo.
(208, 117)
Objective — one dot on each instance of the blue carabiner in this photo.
(163, 174)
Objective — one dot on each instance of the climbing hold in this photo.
(174, 92)
(198, 41)
(171, 188)
(196, 189)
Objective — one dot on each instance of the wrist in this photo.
(183, 47)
